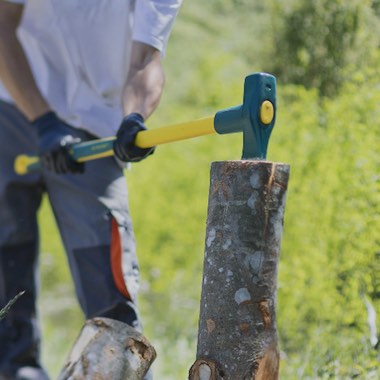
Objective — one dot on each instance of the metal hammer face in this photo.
(255, 117)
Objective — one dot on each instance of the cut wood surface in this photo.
(107, 349)
(237, 336)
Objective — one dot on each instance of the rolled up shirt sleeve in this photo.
(153, 21)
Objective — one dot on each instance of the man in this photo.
(71, 71)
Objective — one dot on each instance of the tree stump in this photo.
(107, 349)
(237, 337)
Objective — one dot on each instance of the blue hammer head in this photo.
(255, 117)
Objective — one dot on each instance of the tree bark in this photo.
(237, 337)
(108, 349)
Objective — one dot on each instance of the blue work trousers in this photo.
(92, 215)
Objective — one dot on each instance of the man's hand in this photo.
(55, 140)
(124, 145)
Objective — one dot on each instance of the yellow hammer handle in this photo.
(94, 149)
(175, 132)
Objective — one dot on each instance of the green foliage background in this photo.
(330, 135)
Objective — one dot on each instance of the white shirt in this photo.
(79, 52)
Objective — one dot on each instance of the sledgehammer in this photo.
(255, 118)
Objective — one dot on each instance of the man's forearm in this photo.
(145, 81)
(15, 72)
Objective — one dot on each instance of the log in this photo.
(108, 349)
(237, 336)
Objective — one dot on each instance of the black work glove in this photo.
(124, 145)
(55, 138)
